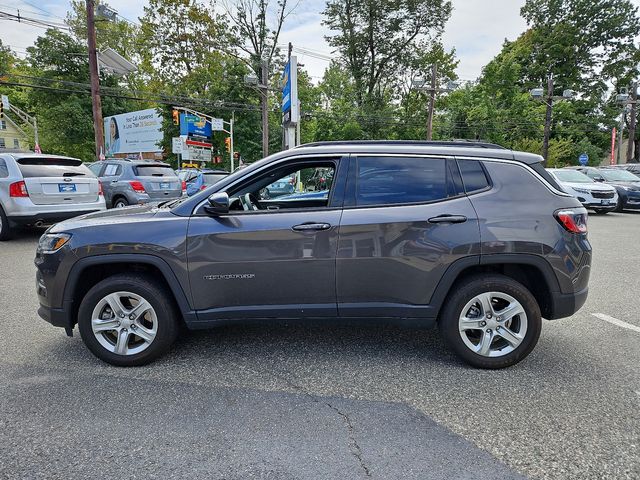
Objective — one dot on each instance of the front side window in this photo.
(398, 180)
(302, 185)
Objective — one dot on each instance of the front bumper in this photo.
(631, 201)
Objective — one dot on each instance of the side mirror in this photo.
(599, 179)
(218, 204)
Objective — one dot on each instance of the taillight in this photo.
(573, 221)
(203, 187)
(184, 186)
(100, 191)
(18, 189)
(137, 186)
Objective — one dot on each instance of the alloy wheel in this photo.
(124, 323)
(493, 324)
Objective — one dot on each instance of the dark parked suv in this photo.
(478, 239)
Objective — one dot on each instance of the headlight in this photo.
(581, 190)
(50, 242)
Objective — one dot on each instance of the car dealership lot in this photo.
(314, 401)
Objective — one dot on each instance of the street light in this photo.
(539, 95)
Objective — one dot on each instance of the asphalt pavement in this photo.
(325, 401)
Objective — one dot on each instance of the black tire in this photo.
(601, 212)
(155, 293)
(619, 207)
(463, 292)
(120, 202)
(5, 228)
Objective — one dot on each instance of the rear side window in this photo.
(51, 167)
(473, 175)
(396, 180)
(112, 170)
(154, 171)
(4, 171)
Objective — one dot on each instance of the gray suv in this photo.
(37, 189)
(477, 239)
(134, 182)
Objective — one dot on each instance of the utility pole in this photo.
(547, 119)
(95, 79)
(632, 123)
(265, 106)
(432, 101)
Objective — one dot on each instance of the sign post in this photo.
(290, 103)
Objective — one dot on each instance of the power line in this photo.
(32, 21)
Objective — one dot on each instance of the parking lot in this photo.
(317, 401)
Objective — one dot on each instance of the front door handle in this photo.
(448, 219)
(306, 227)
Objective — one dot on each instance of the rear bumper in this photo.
(566, 304)
(47, 218)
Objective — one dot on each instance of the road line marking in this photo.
(617, 322)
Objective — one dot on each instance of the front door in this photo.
(405, 222)
(269, 257)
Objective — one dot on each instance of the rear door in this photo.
(110, 178)
(405, 221)
(159, 181)
(58, 181)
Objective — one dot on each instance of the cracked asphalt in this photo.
(318, 401)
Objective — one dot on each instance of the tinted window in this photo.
(393, 180)
(4, 172)
(95, 168)
(473, 175)
(155, 171)
(51, 167)
(211, 178)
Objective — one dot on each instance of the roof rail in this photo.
(433, 143)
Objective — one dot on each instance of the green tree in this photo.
(375, 39)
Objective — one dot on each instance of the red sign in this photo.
(195, 143)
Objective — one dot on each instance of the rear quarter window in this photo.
(52, 167)
(4, 171)
(473, 176)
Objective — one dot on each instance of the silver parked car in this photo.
(134, 182)
(38, 189)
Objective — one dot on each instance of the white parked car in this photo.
(596, 196)
(38, 189)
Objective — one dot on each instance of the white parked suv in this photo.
(596, 196)
(37, 190)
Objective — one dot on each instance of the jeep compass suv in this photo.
(477, 239)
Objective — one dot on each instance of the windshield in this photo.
(571, 176)
(618, 176)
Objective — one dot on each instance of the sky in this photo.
(476, 29)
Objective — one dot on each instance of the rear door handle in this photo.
(307, 227)
(448, 219)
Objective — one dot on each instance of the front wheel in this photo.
(128, 320)
(491, 321)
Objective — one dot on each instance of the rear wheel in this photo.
(5, 228)
(128, 320)
(491, 321)
(120, 202)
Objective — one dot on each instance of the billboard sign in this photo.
(194, 125)
(290, 104)
(133, 132)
